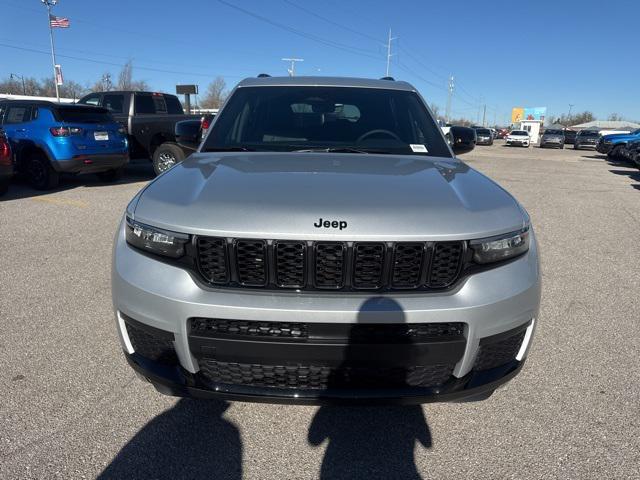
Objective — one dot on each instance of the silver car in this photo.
(325, 245)
(552, 138)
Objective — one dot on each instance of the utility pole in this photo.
(484, 115)
(49, 4)
(292, 69)
(571, 105)
(448, 111)
(389, 55)
(24, 89)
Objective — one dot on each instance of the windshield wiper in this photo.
(228, 149)
(332, 150)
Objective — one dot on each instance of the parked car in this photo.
(52, 138)
(586, 139)
(634, 152)
(518, 137)
(149, 119)
(6, 163)
(569, 136)
(552, 138)
(615, 146)
(485, 137)
(326, 245)
(502, 133)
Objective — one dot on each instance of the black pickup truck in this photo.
(150, 119)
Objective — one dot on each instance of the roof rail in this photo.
(263, 75)
(391, 79)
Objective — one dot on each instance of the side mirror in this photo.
(188, 134)
(462, 139)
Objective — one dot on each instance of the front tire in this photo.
(166, 156)
(616, 153)
(40, 173)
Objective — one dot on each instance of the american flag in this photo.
(58, 22)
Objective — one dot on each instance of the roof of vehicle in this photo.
(46, 103)
(326, 82)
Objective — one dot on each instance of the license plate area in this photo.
(101, 136)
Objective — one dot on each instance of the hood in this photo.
(620, 137)
(284, 196)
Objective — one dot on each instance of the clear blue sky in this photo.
(504, 54)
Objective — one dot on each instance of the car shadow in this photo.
(191, 440)
(134, 173)
(369, 442)
(632, 174)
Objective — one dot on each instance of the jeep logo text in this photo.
(330, 224)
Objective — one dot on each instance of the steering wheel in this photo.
(373, 132)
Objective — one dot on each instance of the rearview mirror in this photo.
(188, 134)
(462, 139)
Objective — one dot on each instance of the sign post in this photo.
(187, 91)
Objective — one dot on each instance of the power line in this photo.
(330, 43)
(331, 22)
(33, 50)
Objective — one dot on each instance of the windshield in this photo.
(520, 133)
(553, 132)
(83, 115)
(589, 133)
(483, 131)
(363, 120)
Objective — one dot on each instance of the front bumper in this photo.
(518, 143)
(547, 143)
(92, 163)
(602, 147)
(487, 304)
(579, 145)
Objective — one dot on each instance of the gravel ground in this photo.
(70, 407)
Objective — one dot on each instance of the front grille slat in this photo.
(324, 265)
(368, 265)
(251, 262)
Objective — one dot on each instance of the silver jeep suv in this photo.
(325, 245)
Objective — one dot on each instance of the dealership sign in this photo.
(519, 114)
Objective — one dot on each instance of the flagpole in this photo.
(48, 3)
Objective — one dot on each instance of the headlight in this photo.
(502, 247)
(155, 240)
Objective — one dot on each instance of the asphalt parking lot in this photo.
(70, 407)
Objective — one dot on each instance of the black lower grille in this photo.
(308, 265)
(322, 377)
(152, 343)
(353, 333)
(218, 328)
(495, 354)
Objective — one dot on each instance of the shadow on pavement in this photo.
(140, 171)
(369, 442)
(632, 174)
(191, 440)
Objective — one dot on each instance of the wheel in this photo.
(616, 153)
(110, 175)
(40, 173)
(166, 156)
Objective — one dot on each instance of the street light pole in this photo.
(49, 4)
(21, 77)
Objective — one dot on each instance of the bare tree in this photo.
(216, 94)
(104, 84)
(615, 117)
(125, 78)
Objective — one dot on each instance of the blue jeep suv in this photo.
(615, 146)
(48, 139)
